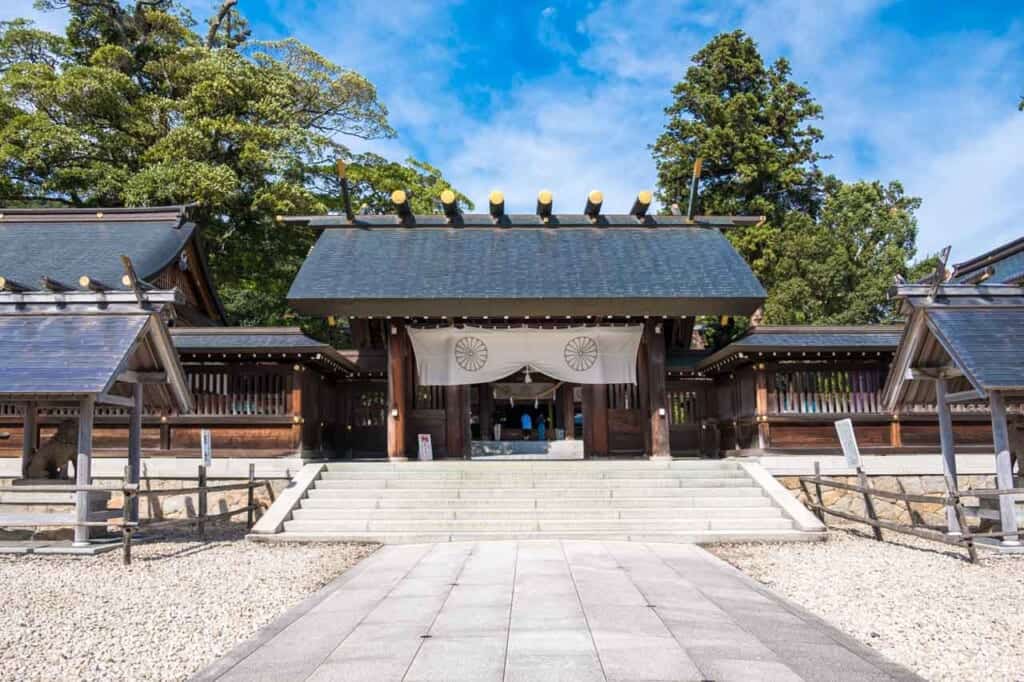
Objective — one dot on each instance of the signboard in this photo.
(206, 444)
(426, 452)
(848, 441)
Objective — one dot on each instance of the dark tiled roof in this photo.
(493, 271)
(66, 244)
(286, 340)
(985, 343)
(64, 354)
(804, 338)
(197, 339)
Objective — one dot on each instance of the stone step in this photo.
(459, 476)
(587, 466)
(305, 513)
(708, 537)
(335, 500)
(561, 483)
(531, 493)
(526, 525)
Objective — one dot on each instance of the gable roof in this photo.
(65, 244)
(475, 271)
(802, 339)
(1002, 265)
(974, 329)
(55, 350)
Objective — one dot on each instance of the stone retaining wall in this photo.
(891, 510)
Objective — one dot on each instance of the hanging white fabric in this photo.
(450, 356)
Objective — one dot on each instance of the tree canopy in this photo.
(133, 106)
(828, 251)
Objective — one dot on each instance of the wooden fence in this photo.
(131, 492)
(954, 498)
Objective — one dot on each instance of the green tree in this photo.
(133, 107)
(752, 126)
(827, 251)
(839, 268)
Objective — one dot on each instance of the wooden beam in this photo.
(116, 400)
(660, 445)
(964, 396)
(398, 392)
(133, 377)
(83, 467)
(642, 203)
(592, 209)
(933, 373)
(1004, 469)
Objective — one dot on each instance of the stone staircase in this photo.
(677, 501)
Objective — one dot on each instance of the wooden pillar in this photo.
(761, 406)
(83, 467)
(29, 437)
(467, 426)
(1004, 468)
(456, 413)
(485, 400)
(895, 432)
(643, 394)
(948, 446)
(595, 420)
(398, 391)
(296, 389)
(567, 410)
(131, 511)
(660, 446)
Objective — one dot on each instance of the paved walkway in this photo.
(548, 611)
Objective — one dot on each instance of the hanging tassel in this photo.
(536, 403)
(527, 379)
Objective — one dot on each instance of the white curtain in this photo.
(581, 355)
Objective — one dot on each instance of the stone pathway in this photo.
(548, 610)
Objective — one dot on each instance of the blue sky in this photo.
(568, 95)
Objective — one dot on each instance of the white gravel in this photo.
(180, 605)
(916, 602)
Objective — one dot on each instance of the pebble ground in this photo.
(918, 603)
(180, 605)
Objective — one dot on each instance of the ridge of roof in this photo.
(505, 220)
(998, 253)
(176, 214)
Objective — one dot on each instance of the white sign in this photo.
(848, 441)
(426, 452)
(206, 443)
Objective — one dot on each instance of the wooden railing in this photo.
(131, 492)
(964, 537)
(222, 391)
(833, 391)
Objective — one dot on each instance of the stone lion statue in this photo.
(51, 459)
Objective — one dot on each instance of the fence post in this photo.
(202, 502)
(869, 505)
(817, 491)
(252, 495)
(126, 530)
(965, 530)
